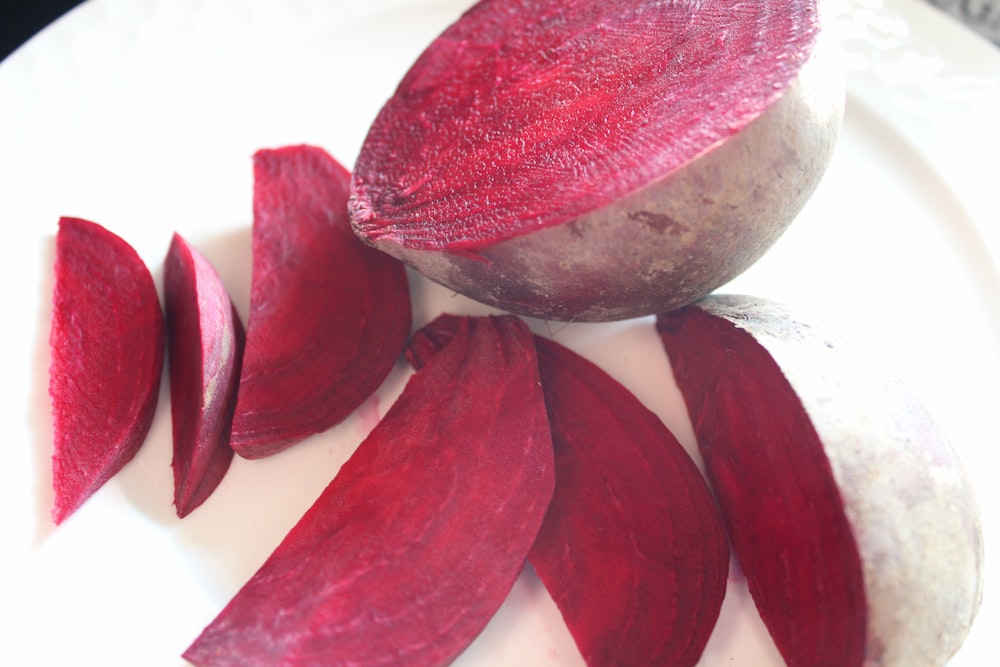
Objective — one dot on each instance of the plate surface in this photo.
(143, 117)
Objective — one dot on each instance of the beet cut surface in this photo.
(417, 541)
(328, 316)
(205, 341)
(528, 114)
(776, 488)
(107, 343)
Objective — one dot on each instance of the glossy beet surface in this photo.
(107, 343)
(416, 542)
(205, 340)
(523, 115)
(328, 316)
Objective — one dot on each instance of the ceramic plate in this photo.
(143, 116)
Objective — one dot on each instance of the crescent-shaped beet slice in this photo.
(632, 522)
(414, 545)
(328, 315)
(205, 341)
(777, 491)
(107, 343)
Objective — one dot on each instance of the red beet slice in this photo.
(416, 542)
(776, 489)
(205, 339)
(328, 316)
(525, 117)
(632, 524)
(107, 345)
(851, 515)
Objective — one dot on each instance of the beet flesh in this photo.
(107, 344)
(416, 542)
(594, 160)
(632, 524)
(851, 516)
(328, 315)
(205, 341)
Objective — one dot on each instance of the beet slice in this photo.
(328, 316)
(416, 542)
(632, 522)
(541, 156)
(851, 516)
(107, 345)
(205, 340)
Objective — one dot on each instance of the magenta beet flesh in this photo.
(776, 488)
(328, 317)
(416, 542)
(107, 342)
(205, 339)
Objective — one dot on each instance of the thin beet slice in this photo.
(417, 541)
(205, 339)
(632, 523)
(774, 483)
(328, 316)
(107, 345)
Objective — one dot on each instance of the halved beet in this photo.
(107, 346)
(633, 549)
(597, 160)
(850, 514)
(328, 316)
(419, 538)
(205, 340)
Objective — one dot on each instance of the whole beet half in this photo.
(594, 160)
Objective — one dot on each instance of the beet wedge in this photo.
(205, 341)
(107, 343)
(595, 160)
(413, 546)
(328, 315)
(852, 518)
(632, 522)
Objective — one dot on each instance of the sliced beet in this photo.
(107, 346)
(852, 518)
(588, 159)
(416, 542)
(328, 316)
(632, 524)
(205, 340)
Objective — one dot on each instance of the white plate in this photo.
(143, 116)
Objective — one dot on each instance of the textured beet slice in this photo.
(107, 346)
(328, 316)
(632, 524)
(776, 488)
(205, 340)
(851, 515)
(416, 542)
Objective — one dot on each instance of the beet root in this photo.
(590, 160)
(328, 315)
(107, 343)
(414, 545)
(851, 516)
(205, 342)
